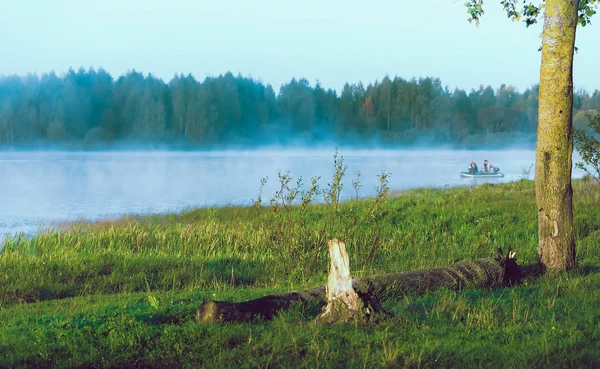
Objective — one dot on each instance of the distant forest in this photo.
(90, 109)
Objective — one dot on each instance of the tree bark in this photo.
(554, 194)
(481, 273)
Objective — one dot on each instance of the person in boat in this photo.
(486, 166)
(473, 168)
(489, 168)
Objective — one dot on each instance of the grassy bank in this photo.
(124, 293)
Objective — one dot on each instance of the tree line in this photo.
(86, 108)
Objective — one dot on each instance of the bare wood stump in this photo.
(342, 301)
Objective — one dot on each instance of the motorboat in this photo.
(495, 174)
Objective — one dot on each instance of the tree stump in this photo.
(344, 304)
(342, 300)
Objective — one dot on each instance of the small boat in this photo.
(495, 174)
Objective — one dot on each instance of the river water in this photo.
(42, 189)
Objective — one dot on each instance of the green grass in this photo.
(124, 293)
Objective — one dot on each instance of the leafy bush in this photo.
(588, 146)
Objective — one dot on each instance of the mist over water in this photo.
(42, 189)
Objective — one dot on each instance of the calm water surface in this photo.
(42, 189)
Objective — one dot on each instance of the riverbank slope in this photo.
(123, 293)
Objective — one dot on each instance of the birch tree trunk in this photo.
(554, 194)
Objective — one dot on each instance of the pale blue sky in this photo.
(274, 40)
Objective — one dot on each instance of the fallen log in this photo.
(481, 273)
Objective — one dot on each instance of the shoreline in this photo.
(62, 225)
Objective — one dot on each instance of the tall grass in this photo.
(208, 248)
